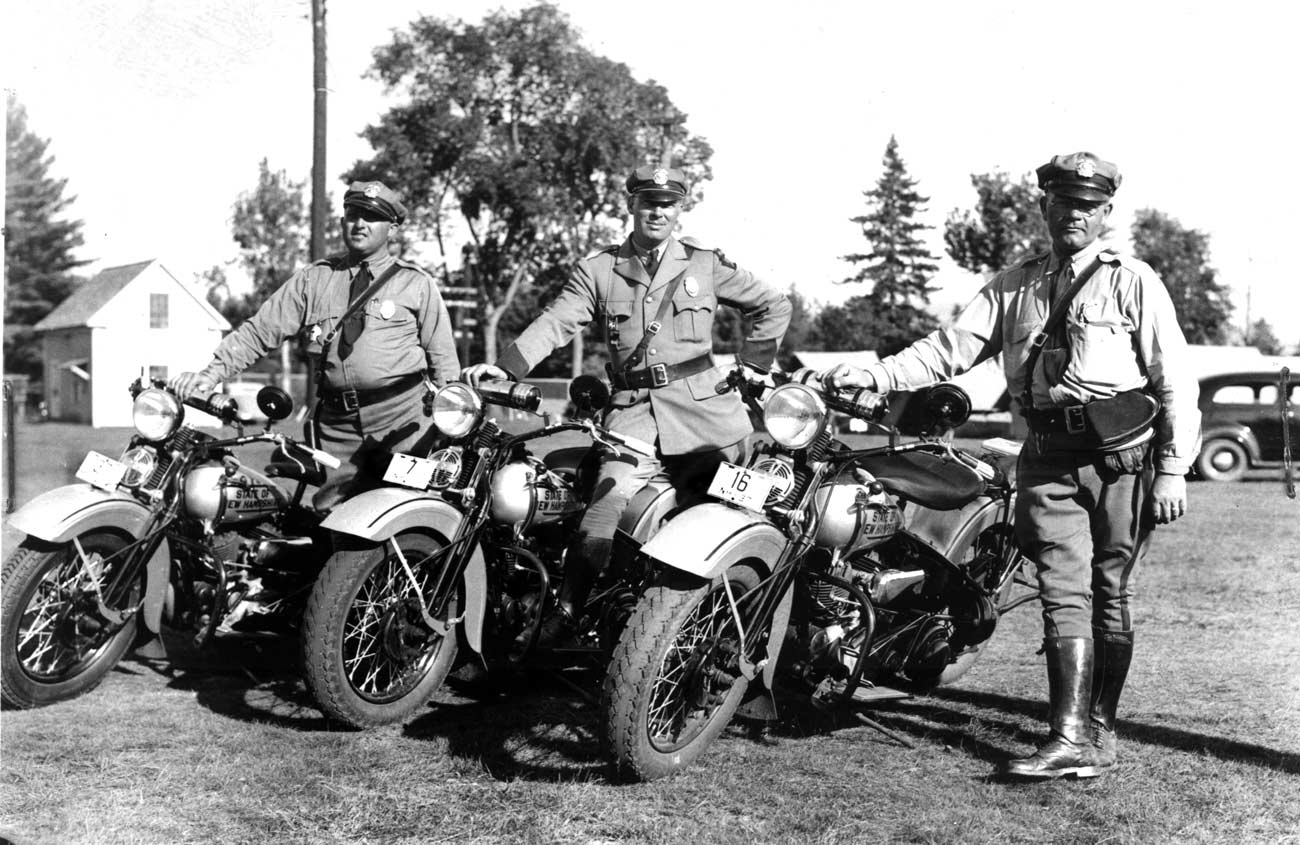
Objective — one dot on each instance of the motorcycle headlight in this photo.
(794, 415)
(140, 462)
(447, 464)
(156, 414)
(457, 409)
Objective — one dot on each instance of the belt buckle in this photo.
(349, 399)
(1075, 421)
(658, 375)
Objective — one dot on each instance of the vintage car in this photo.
(1241, 424)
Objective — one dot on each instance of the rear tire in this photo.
(53, 643)
(368, 658)
(663, 700)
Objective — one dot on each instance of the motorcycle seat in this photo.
(567, 458)
(931, 480)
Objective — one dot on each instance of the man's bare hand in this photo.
(475, 373)
(186, 385)
(1168, 498)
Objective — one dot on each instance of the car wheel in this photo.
(1222, 460)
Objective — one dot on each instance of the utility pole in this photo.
(319, 198)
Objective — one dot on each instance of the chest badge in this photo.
(314, 335)
(387, 309)
(692, 287)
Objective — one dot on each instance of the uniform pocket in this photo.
(692, 318)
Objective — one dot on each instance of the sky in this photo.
(158, 113)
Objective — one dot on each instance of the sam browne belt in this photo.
(659, 375)
(350, 399)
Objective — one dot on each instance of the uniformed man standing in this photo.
(655, 297)
(1083, 513)
(377, 329)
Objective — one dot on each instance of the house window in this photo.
(157, 372)
(157, 310)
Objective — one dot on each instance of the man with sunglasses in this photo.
(1085, 506)
(379, 334)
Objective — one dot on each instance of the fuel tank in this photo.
(528, 492)
(242, 497)
(851, 516)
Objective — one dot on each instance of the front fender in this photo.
(380, 514)
(1242, 435)
(647, 510)
(65, 512)
(70, 511)
(707, 539)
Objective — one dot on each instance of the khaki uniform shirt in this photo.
(613, 286)
(407, 327)
(1122, 334)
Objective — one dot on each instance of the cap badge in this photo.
(692, 286)
(1086, 168)
(660, 177)
(387, 309)
(372, 190)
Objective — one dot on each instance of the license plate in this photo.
(741, 486)
(409, 471)
(101, 471)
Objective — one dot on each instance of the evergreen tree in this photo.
(38, 245)
(898, 267)
(1181, 257)
(1260, 335)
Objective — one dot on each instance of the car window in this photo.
(1268, 394)
(1235, 394)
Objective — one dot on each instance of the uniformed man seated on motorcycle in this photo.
(378, 331)
(655, 297)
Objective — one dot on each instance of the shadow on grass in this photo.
(542, 726)
(245, 678)
(980, 723)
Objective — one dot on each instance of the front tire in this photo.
(1222, 460)
(672, 686)
(368, 657)
(55, 645)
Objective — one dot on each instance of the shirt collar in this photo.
(1080, 259)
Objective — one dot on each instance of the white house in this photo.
(128, 320)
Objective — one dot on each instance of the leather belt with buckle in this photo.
(351, 399)
(660, 375)
(1070, 419)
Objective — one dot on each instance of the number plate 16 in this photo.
(741, 486)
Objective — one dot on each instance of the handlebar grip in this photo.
(220, 405)
(510, 394)
(325, 459)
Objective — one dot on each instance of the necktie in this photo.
(356, 321)
(1056, 355)
(652, 262)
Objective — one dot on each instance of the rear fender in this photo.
(381, 514)
(707, 539)
(647, 510)
(75, 509)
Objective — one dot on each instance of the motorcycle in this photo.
(467, 548)
(177, 530)
(852, 575)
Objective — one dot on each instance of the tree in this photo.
(523, 135)
(898, 267)
(1005, 225)
(38, 244)
(1260, 335)
(861, 323)
(1181, 258)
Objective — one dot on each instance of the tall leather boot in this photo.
(1114, 653)
(1069, 749)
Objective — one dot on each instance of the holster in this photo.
(1094, 426)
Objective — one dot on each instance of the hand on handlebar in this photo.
(475, 373)
(186, 385)
(847, 376)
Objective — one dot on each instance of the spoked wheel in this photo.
(673, 684)
(369, 656)
(56, 643)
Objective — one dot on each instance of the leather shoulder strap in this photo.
(1053, 321)
(366, 296)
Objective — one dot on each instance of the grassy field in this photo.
(224, 746)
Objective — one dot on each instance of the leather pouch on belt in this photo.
(1105, 423)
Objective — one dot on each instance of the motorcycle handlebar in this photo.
(854, 401)
(632, 444)
(511, 394)
(220, 405)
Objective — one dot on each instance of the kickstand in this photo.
(894, 735)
